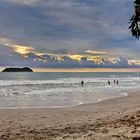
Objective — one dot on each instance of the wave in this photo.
(68, 81)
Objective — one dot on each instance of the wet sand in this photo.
(113, 119)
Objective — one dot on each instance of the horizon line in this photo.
(80, 69)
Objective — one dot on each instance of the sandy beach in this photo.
(113, 119)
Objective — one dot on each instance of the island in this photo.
(25, 69)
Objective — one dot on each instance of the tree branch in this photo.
(135, 20)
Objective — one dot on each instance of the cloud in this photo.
(67, 33)
(26, 2)
(96, 52)
(90, 59)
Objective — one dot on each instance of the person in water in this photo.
(108, 82)
(82, 83)
(114, 81)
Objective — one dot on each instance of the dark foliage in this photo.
(135, 20)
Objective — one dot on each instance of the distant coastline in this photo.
(25, 69)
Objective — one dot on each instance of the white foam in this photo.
(124, 94)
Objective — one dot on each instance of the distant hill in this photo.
(26, 69)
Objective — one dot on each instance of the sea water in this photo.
(59, 89)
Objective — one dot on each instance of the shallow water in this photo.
(62, 89)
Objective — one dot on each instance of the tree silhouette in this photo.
(135, 20)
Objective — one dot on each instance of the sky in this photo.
(67, 34)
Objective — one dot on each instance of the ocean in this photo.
(63, 89)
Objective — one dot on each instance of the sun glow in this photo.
(75, 57)
(22, 50)
(135, 62)
(86, 70)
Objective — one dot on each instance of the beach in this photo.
(69, 70)
(112, 119)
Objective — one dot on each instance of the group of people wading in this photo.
(115, 82)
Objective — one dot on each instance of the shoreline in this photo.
(69, 106)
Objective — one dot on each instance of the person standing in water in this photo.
(117, 82)
(108, 82)
(114, 81)
(82, 83)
